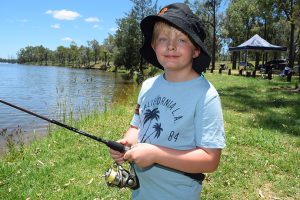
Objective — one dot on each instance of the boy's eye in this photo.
(162, 39)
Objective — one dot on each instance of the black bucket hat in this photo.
(181, 17)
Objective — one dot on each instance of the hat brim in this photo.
(199, 64)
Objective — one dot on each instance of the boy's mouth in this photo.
(171, 56)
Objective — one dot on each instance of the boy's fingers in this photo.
(128, 157)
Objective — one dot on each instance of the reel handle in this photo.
(117, 146)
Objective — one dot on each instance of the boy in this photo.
(177, 130)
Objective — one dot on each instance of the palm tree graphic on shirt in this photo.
(150, 115)
(157, 131)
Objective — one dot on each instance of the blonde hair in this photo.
(166, 28)
(159, 27)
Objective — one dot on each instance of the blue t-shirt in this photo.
(178, 115)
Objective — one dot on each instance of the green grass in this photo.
(261, 160)
(262, 122)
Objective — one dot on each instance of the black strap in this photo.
(199, 177)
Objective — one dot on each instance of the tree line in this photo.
(8, 60)
(74, 55)
(277, 21)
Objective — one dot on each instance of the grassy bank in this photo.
(261, 160)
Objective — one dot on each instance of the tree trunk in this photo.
(256, 59)
(214, 36)
(141, 73)
(292, 46)
(234, 56)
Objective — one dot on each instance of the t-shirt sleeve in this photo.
(135, 121)
(209, 123)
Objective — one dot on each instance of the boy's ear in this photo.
(197, 52)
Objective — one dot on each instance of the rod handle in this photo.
(117, 146)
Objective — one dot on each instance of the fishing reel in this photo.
(117, 176)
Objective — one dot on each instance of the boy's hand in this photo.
(117, 156)
(142, 154)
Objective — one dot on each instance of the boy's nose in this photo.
(172, 45)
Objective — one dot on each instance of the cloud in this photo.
(92, 19)
(113, 29)
(96, 26)
(67, 39)
(55, 26)
(63, 14)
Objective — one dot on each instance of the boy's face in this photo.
(174, 50)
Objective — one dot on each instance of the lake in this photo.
(53, 92)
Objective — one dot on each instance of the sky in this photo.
(52, 23)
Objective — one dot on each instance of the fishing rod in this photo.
(111, 144)
(115, 176)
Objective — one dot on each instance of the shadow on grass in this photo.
(275, 109)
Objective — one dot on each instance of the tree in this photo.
(128, 38)
(287, 9)
(243, 20)
(143, 8)
(127, 41)
(83, 56)
(109, 47)
(61, 55)
(74, 54)
(207, 12)
(21, 56)
(95, 47)
(28, 54)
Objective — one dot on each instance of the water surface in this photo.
(53, 92)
